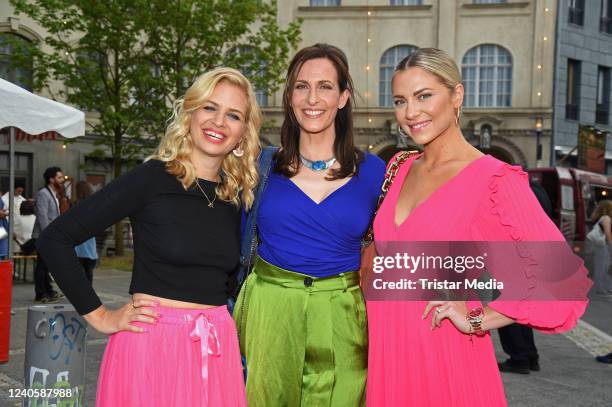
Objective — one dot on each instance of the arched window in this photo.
(389, 60)
(487, 76)
(13, 67)
(253, 70)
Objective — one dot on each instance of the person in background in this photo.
(516, 339)
(601, 257)
(17, 196)
(4, 224)
(47, 209)
(62, 197)
(601, 218)
(24, 225)
(86, 251)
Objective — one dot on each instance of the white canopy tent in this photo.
(34, 115)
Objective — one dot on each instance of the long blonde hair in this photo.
(238, 174)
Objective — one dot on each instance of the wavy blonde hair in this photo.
(238, 174)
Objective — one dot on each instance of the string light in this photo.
(545, 38)
(370, 120)
(539, 66)
(539, 93)
(546, 10)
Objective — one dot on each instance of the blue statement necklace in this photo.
(319, 165)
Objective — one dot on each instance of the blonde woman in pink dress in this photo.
(432, 353)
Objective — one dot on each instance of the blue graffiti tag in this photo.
(71, 336)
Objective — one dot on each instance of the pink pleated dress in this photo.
(410, 365)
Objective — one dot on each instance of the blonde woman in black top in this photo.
(174, 344)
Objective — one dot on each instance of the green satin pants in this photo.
(305, 339)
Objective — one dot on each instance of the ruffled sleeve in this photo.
(546, 283)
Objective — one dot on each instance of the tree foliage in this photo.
(127, 61)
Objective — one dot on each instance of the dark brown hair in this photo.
(83, 190)
(348, 156)
(27, 207)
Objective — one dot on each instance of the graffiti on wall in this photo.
(65, 337)
(54, 375)
(72, 395)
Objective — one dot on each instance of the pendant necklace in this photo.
(210, 203)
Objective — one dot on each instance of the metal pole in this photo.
(11, 207)
(555, 99)
(538, 148)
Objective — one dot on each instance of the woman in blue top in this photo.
(301, 313)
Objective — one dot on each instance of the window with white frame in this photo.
(389, 60)
(487, 76)
(406, 2)
(324, 3)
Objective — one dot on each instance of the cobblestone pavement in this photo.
(569, 376)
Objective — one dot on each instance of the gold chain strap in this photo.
(392, 171)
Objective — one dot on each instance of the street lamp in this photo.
(538, 129)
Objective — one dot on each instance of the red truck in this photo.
(574, 194)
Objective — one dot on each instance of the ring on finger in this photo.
(438, 310)
(134, 305)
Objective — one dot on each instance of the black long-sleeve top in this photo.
(183, 250)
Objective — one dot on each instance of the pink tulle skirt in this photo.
(188, 358)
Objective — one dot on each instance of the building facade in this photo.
(35, 153)
(505, 50)
(582, 75)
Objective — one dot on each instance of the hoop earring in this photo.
(401, 131)
(238, 151)
(457, 116)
